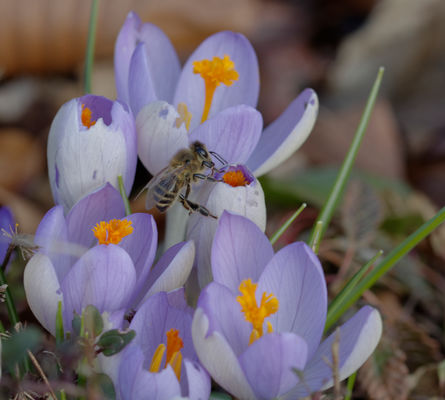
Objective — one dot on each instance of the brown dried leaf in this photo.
(385, 374)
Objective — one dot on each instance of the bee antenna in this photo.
(218, 157)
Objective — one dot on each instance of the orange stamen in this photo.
(235, 178)
(85, 117)
(113, 231)
(214, 72)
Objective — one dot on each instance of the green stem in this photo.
(392, 258)
(345, 170)
(350, 386)
(286, 225)
(124, 195)
(89, 57)
(314, 243)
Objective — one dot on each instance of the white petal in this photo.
(218, 358)
(41, 288)
(158, 137)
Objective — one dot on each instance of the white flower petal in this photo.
(41, 288)
(218, 358)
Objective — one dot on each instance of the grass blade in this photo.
(339, 186)
(286, 225)
(89, 57)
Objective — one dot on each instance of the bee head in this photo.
(200, 150)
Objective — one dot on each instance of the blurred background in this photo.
(334, 47)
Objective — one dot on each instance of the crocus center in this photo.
(185, 116)
(173, 355)
(86, 117)
(235, 178)
(214, 72)
(254, 313)
(113, 231)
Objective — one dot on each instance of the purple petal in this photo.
(240, 251)
(140, 83)
(102, 205)
(268, 363)
(359, 337)
(232, 133)
(141, 245)
(158, 137)
(155, 318)
(295, 277)
(225, 316)
(135, 381)
(104, 277)
(42, 290)
(52, 238)
(6, 223)
(125, 44)
(286, 134)
(196, 380)
(191, 89)
(172, 269)
(218, 358)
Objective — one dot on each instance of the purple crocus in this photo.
(222, 74)
(161, 360)
(92, 141)
(6, 225)
(263, 318)
(97, 255)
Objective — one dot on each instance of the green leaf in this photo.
(89, 57)
(113, 341)
(335, 307)
(76, 324)
(15, 348)
(60, 335)
(102, 383)
(120, 182)
(219, 396)
(389, 262)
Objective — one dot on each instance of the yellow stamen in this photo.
(235, 178)
(175, 363)
(252, 312)
(185, 116)
(214, 72)
(113, 231)
(157, 358)
(85, 117)
(173, 355)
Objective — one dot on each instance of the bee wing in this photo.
(164, 179)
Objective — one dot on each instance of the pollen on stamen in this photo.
(214, 72)
(235, 178)
(252, 312)
(86, 117)
(113, 231)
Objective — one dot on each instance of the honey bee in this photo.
(186, 167)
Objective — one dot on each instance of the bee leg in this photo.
(192, 207)
(206, 178)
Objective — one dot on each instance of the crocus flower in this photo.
(95, 255)
(6, 225)
(220, 74)
(161, 360)
(263, 318)
(92, 141)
